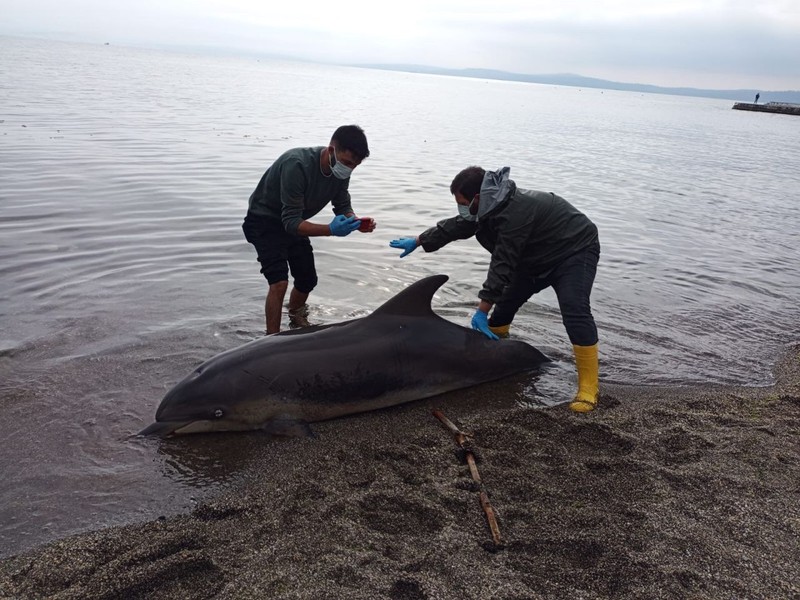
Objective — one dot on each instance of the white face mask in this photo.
(338, 169)
(463, 211)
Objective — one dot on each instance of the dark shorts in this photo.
(279, 252)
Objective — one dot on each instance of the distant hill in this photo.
(571, 80)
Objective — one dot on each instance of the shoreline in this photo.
(659, 493)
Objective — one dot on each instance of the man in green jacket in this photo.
(299, 184)
(537, 240)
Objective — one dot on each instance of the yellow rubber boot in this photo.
(588, 380)
(500, 330)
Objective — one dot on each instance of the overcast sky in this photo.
(720, 44)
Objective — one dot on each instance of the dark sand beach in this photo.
(660, 493)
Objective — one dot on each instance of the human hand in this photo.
(480, 322)
(367, 224)
(406, 244)
(342, 226)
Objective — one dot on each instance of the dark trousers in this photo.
(572, 282)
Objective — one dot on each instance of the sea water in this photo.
(124, 179)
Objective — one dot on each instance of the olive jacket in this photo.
(527, 232)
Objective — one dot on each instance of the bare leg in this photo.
(273, 305)
(297, 299)
(298, 309)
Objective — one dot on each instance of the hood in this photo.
(496, 189)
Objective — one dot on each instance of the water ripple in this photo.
(124, 181)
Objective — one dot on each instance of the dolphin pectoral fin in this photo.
(161, 429)
(288, 427)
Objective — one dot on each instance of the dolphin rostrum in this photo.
(281, 382)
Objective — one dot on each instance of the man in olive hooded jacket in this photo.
(537, 240)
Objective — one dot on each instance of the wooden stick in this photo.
(473, 468)
(461, 439)
(450, 425)
(487, 508)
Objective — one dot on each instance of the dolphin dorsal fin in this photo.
(415, 300)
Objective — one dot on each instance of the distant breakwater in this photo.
(784, 108)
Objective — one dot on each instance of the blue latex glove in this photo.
(480, 321)
(342, 226)
(406, 244)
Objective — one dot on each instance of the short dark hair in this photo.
(351, 138)
(468, 182)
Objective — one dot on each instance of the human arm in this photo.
(446, 231)
(341, 200)
(309, 229)
(433, 238)
(407, 244)
(342, 206)
(294, 185)
(512, 237)
(480, 320)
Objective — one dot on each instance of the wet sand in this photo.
(659, 493)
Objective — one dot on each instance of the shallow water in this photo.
(124, 178)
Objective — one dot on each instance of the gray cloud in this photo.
(731, 46)
(734, 48)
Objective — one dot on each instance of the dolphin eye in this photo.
(218, 413)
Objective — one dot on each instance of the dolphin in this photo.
(282, 382)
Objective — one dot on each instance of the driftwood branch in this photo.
(487, 508)
(462, 439)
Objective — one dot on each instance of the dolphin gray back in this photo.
(401, 352)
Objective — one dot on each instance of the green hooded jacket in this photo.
(526, 232)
